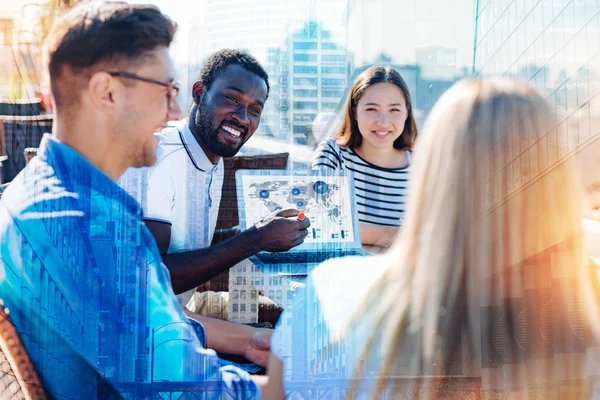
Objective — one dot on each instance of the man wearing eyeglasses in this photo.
(81, 277)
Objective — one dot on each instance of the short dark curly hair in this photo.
(218, 61)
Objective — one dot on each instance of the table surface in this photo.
(247, 282)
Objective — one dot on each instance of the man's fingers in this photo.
(302, 233)
(298, 241)
(262, 339)
(304, 224)
(290, 212)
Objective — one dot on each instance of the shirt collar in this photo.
(195, 152)
(78, 171)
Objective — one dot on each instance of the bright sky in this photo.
(395, 27)
(414, 23)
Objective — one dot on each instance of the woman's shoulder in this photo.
(355, 268)
(331, 144)
(341, 284)
(329, 154)
(333, 292)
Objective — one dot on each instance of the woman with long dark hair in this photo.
(374, 144)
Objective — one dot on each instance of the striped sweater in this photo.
(380, 192)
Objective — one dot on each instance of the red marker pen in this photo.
(301, 216)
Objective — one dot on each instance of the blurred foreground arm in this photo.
(236, 339)
(273, 390)
(378, 235)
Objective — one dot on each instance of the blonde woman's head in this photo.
(483, 198)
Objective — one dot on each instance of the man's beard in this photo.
(208, 134)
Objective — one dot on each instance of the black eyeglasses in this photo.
(172, 86)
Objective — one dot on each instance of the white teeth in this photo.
(381, 133)
(232, 131)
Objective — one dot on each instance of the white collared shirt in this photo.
(183, 189)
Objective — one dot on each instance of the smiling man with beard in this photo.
(181, 193)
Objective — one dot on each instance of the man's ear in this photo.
(101, 88)
(197, 91)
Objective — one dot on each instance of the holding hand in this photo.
(259, 346)
(279, 232)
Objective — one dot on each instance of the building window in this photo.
(333, 82)
(328, 46)
(337, 93)
(300, 128)
(305, 45)
(305, 93)
(306, 118)
(6, 28)
(305, 69)
(329, 105)
(333, 70)
(333, 57)
(305, 105)
(306, 81)
(305, 57)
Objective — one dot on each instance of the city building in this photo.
(59, 304)
(312, 71)
(21, 100)
(19, 48)
(437, 62)
(129, 287)
(400, 28)
(247, 282)
(553, 46)
(274, 124)
(258, 27)
(188, 66)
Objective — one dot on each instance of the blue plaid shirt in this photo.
(85, 286)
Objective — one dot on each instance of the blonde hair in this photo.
(467, 230)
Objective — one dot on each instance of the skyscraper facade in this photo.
(312, 69)
(259, 27)
(554, 45)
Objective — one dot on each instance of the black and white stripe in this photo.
(380, 192)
